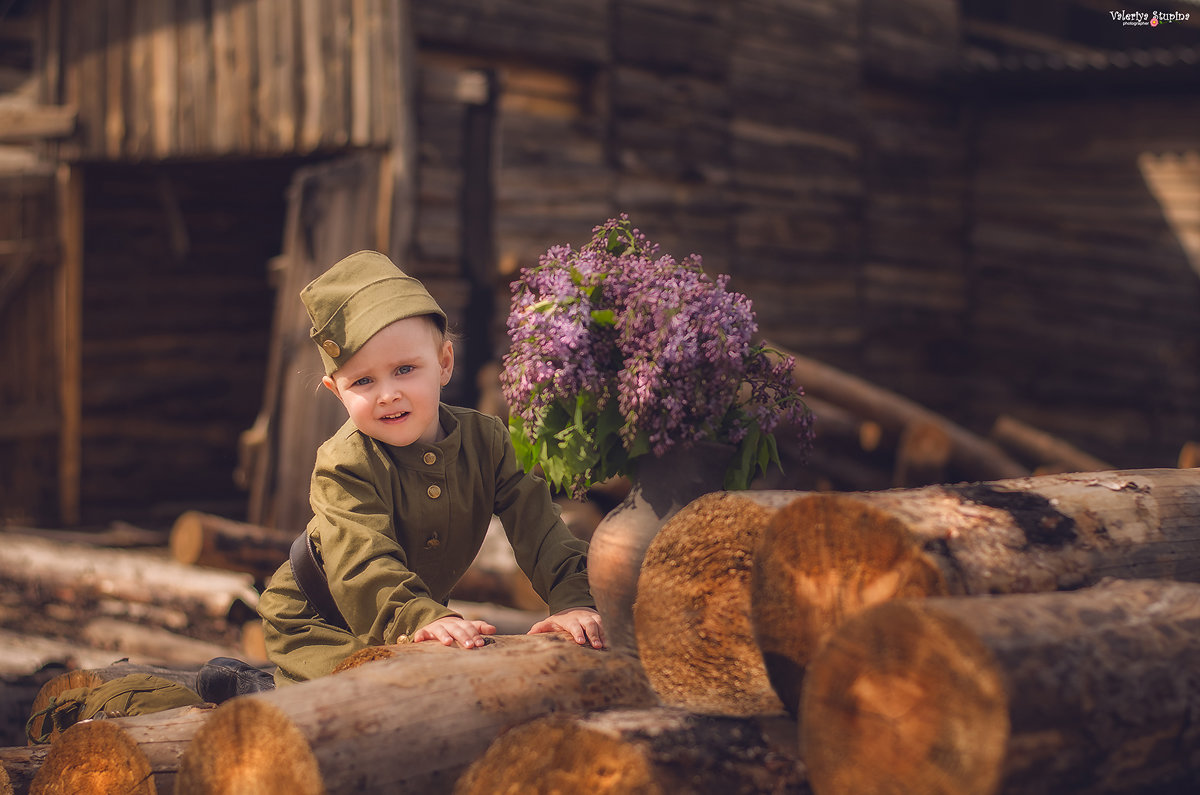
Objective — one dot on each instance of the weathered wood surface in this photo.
(1091, 690)
(824, 557)
(203, 539)
(138, 755)
(1048, 452)
(411, 722)
(260, 77)
(657, 751)
(692, 615)
(20, 765)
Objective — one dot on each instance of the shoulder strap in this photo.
(310, 576)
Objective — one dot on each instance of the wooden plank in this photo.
(224, 118)
(69, 308)
(116, 69)
(195, 77)
(361, 77)
(266, 87)
(50, 55)
(243, 67)
(400, 43)
(24, 124)
(313, 71)
(164, 57)
(379, 64)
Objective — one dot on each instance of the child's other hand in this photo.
(582, 622)
(451, 629)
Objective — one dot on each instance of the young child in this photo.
(403, 493)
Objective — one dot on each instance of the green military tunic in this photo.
(396, 527)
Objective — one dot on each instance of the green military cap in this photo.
(356, 298)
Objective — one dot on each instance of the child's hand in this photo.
(468, 634)
(582, 622)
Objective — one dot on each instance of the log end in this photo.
(692, 620)
(904, 699)
(557, 754)
(249, 745)
(821, 559)
(59, 684)
(94, 756)
(6, 787)
(187, 538)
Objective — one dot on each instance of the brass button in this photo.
(431, 458)
(331, 348)
(434, 491)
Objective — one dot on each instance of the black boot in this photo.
(222, 678)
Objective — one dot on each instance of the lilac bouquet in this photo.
(619, 353)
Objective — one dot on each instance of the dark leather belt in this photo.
(310, 576)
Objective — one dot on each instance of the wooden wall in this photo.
(29, 378)
(1086, 307)
(203, 78)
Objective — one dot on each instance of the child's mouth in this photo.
(393, 417)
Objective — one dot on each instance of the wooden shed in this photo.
(987, 209)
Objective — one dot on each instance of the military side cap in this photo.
(357, 297)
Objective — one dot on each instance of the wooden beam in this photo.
(69, 308)
(26, 123)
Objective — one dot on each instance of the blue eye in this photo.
(362, 381)
(404, 369)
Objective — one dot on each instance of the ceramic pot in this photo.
(661, 487)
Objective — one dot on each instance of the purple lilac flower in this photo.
(616, 321)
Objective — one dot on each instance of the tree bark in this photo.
(692, 615)
(657, 751)
(824, 557)
(972, 456)
(202, 539)
(20, 765)
(138, 755)
(1047, 452)
(91, 677)
(409, 723)
(1083, 691)
(137, 576)
(128, 639)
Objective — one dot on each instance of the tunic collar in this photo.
(413, 456)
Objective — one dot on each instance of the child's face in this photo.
(391, 385)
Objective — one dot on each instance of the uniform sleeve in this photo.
(550, 555)
(380, 598)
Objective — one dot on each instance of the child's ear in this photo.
(446, 361)
(330, 385)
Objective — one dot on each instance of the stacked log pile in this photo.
(950, 639)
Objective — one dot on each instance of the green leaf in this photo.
(604, 317)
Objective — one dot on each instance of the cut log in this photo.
(138, 755)
(138, 641)
(824, 557)
(922, 455)
(1083, 691)
(692, 616)
(136, 575)
(20, 765)
(1045, 451)
(659, 751)
(411, 723)
(91, 677)
(973, 457)
(1189, 455)
(202, 539)
(26, 654)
